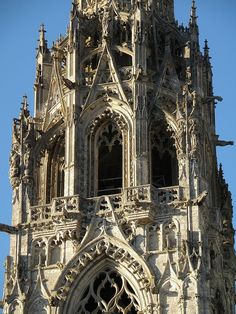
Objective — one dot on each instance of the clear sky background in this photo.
(19, 24)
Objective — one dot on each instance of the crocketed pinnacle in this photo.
(193, 16)
(24, 109)
(42, 40)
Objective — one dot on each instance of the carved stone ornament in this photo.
(102, 247)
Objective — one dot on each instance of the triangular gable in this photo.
(169, 78)
(169, 272)
(55, 98)
(106, 74)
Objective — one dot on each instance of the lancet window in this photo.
(55, 251)
(55, 169)
(109, 167)
(164, 164)
(109, 292)
(170, 238)
(39, 253)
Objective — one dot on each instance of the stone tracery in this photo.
(109, 292)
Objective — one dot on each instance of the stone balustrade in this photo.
(140, 194)
(58, 206)
(168, 194)
(149, 193)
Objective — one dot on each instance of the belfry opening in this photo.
(109, 160)
(164, 163)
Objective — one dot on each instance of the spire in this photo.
(42, 41)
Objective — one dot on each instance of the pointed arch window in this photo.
(164, 164)
(109, 292)
(55, 169)
(109, 168)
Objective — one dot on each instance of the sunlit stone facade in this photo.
(118, 203)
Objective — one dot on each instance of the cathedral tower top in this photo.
(118, 203)
(165, 8)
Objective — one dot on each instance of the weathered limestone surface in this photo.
(118, 203)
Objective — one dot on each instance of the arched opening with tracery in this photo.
(109, 292)
(106, 154)
(109, 165)
(164, 163)
(49, 169)
(105, 277)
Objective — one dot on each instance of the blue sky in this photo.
(19, 24)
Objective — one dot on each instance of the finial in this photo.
(24, 102)
(24, 110)
(206, 49)
(193, 9)
(75, 3)
(221, 174)
(73, 12)
(42, 32)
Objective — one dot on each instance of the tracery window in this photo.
(109, 292)
(164, 164)
(39, 253)
(109, 160)
(55, 251)
(170, 235)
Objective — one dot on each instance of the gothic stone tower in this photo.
(118, 205)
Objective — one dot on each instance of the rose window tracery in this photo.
(109, 292)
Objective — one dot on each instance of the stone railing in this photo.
(168, 194)
(140, 193)
(149, 193)
(103, 203)
(74, 204)
(58, 206)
